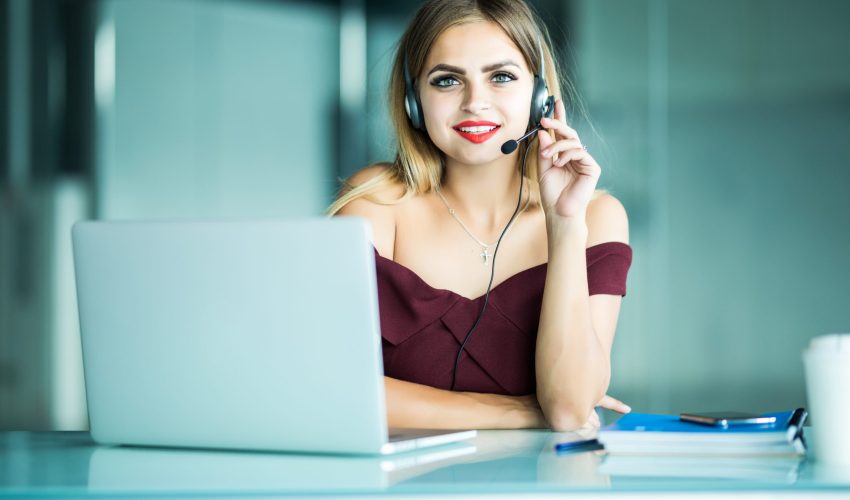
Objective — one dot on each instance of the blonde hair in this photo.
(418, 165)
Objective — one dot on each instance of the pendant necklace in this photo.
(485, 254)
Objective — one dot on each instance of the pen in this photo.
(795, 423)
(583, 445)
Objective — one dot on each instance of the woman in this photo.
(539, 353)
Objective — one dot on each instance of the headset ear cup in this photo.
(414, 109)
(411, 101)
(538, 102)
(420, 117)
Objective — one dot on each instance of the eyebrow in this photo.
(461, 71)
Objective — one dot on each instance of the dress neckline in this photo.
(424, 283)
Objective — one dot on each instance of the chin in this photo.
(467, 153)
(480, 157)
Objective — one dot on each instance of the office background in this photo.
(722, 126)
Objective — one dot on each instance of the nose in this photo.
(476, 98)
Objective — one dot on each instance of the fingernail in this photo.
(628, 408)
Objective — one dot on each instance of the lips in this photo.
(476, 131)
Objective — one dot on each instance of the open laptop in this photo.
(257, 335)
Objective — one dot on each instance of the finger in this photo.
(574, 155)
(614, 404)
(562, 145)
(543, 163)
(544, 140)
(560, 128)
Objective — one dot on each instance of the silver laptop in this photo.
(240, 334)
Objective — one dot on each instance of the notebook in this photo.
(644, 433)
(259, 335)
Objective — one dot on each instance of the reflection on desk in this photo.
(495, 462)
(133, 469)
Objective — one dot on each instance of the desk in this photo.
(496, 462)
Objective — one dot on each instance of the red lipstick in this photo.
(476, 131)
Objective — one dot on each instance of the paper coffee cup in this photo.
(827, 368)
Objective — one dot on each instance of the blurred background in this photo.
(722, 126)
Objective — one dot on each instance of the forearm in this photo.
(572, 368)
(411, 405)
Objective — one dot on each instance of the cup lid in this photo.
(835, 343)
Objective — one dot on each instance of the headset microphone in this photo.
(511, 145)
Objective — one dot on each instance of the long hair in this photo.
(418, 165)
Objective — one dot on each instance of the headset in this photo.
(542, 105)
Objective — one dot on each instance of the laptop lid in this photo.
(244, 334)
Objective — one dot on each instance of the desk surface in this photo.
(69, 463)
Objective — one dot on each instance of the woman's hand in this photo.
(608, 403)
(567, 173)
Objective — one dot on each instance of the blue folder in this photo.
(667, 434)
(787, 422)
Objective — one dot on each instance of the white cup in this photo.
(827, 366)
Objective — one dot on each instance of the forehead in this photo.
(473, 45)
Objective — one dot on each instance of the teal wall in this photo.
(723, 127)
(726, 129)
(219, 109)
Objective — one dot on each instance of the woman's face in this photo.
(475, 90)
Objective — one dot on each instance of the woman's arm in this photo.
(576, 331)
(411, 405)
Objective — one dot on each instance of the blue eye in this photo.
(444, 81)
(503, 77)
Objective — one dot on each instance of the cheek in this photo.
(439, 115)
(437, 109)
(520, 111)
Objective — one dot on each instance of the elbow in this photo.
(568, 412)
(567, 418)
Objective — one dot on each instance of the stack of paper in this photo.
(648, 434)
(781, 469)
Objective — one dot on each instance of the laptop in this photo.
(255, 335)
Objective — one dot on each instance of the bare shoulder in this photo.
(381, 216)
(606, 220)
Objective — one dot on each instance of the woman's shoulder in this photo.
(606, 220)
(377, 206)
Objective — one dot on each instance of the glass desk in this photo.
(496, 462)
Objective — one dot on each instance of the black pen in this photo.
(795, 423)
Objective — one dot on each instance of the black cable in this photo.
(492, 268)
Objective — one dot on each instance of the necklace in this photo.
(484, 246)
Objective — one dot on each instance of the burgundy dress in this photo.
(422, 327)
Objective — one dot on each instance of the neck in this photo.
(484, 195)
